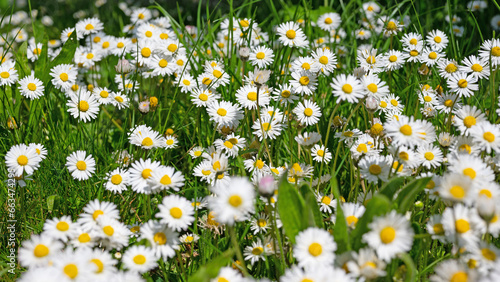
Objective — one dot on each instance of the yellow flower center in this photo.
(119, 99)
(96, 214)
(432, 55)
(469, 121)
(84, 238)
(406, 130)
(320, 153)
(146, 52)
(304, 80)
(146, 142)
(108, 230)
(308, 112)
(372, 87)
(391, 26)
(462, 226)
(459, 276)
(328, 21)
(62, 226)
(495, 51)
(139, 259)
(462, 83)
(488, 136)
(172, 47)
(306, 66)
(393, 58)
(387, 235)
(315, 249)
(89, 27)
(146, 173)
(100, 265)
(252, 96)
(375, 169)
(261, 222)
(120, 45)
(64, 77)
(457, 191)
(451, 68)
(235, 201)
(260, 55)
(5, 74)
(362, 148)
(351, 220)
(286, 93)
(22, 160)
(257, 251)
(81, 165)
(83, 106)
(71, 270)
(404, 156)
(486, 192)
(413, 53)
(470, 172)
(187, 82)
(291, 34)
(370, 60)
(166, 180)
(40, 251)
(323, 60)
(476, 67)
(90, 56)
(438, 229)
(437, 39)
(221, 112)
(176, 212)
(394, 102)
(326, 200)
(347, 88)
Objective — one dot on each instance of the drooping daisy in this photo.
(347, 88)
(83, 106)
(307, 112)
(80, 165)
(352, 213)
(314, 247)
(389, 235)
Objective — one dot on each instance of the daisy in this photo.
(247, 97)
(391, 26)
(430, 57)
(329, 21)
(121, 46)
(196, 152)
(374, 87)
(453, 270)
(231, 145)
(462, 84)
(447, 68)
(140, 172)
(189, 238)
(370, 61)
(437, 40)
(462, 224)
(394, 60)
(119, 100)
(83, 106)
(186, 82)
(307, 112)
(202, 97)
(164, 241)
(38, 251)
(405, 131)
(89, 26)
(8, 74)
(471, 166)
(80, 165)
(490, 50)
(139, 258)
(347, 88)
(117, 180)
(255, 252)
(224, 113)
(160, 65)
(467, 117)
(373, 168)
(165, 178)
(352, 213)
(456, 188)
(267, 127)
(478, 67)
(22, 159)
(487, 136)
(170, 142)
(321, 154)
(366, 264)
(60, 228)
(111, 233)
(234, 202)
(430, 156)
(93, 211)
(303, 82)
(228, 274)
(412, 40)
(326, 203)
(74, 265)
(145, 137)
(34, 51)
(308, 138)
(105, 264)
(290, 34)
(31, 87)
(261, 56)
(40, 150)
(83, 239)
(305, 64)
(314, 247)
(260, 224)
(414, 52)
(325, 59)
(389, 235)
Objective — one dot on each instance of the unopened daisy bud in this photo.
(267, 186)
(338, 121)
(118, 255)
(144, 107)
(485, 207)
(124, 66)
(419, 204)
(261, 77)
(445, 139)
(371, 104)
(244, 53)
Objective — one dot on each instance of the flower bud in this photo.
(371, 104)
(267, 186)
(485, 207)
(244, 53)
(124, 66)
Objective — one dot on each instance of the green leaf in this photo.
(390, 188)
(378, 205)
(408, 194)
(211, 269)
(51, 202)
(312, 214)
(411, 272)
(22, 60)
(340, 231)
(290, 208)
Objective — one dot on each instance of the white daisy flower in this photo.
(303, 82)
(487, 136)
(164, 241)
(140, 259)
(347, 88)
(117, 180)
(60, 228)
(39, 251)
(314, 247)
(321, 154)
(165, 178)
(290, 34)
(261, 56)
(307, 112)
(462, 84)
(478, 67)
(22, 159)
(80, 165)
(93, 210)
(83, 106)
(140, 172)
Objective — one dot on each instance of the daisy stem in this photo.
(181, 265)
(343, 129)
(326, 139)
(277, 237)
(236, 246)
